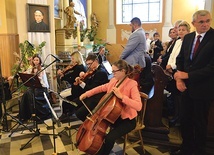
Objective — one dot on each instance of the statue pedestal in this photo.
(85, 50)
(63, 44)
(70, 45)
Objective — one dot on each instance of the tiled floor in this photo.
(44, 144)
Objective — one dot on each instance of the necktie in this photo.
(196, 45)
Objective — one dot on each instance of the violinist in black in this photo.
(95, 76)
(72, 71)
(69, 74)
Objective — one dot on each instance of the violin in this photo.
(66, 69)
(88, 74)
(69, 67)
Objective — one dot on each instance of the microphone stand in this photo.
(5, 109)
(37, 132)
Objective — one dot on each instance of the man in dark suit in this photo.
(155, 47)
(195, 79)
(95, 76)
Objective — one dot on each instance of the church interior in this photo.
(101, 18)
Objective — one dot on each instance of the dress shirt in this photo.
(193, 46)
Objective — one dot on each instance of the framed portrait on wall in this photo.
(38, 18)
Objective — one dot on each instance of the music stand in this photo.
(29, 80)
(32, 81)
(107, 66)
(55, 120)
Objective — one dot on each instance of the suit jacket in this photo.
(134, 52)
(99, 77)
(71, 74)
(101, 58)
(200, 84)
(146, 81)
(166, 56)
(157, 50)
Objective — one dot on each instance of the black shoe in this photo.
(63, 117)
(180, 152)
(177, 152)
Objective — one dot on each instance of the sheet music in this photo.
(107, 66)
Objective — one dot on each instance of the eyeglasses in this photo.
(116, 71)
(89, 64)
(202, 22)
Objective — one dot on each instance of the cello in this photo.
(91, 133)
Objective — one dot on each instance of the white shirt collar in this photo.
(202, 35)
(137, 29)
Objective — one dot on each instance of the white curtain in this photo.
(37, 38)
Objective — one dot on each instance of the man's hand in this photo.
(81, 74)
(180, 85)
(59, 72)
(169, 69)
(181, 75)
(78, 80)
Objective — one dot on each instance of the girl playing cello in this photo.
(129, 96)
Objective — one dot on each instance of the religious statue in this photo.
(94, 22)
(71, 19)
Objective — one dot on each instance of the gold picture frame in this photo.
(38, 18)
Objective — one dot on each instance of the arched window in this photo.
(149, 11)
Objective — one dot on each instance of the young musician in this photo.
(27, 102)
(128, 94)
(95, 76)
(69, 74)
(72, 71)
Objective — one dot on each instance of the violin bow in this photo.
(87, 107)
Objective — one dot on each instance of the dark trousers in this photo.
(119, 128)
(68, 108)
(33, 102)
(91, 103)
(194, 119)
(174, 100)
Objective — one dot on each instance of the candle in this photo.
(78, 33)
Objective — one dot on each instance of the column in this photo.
(168, 22)
(111, 31)
(208, 5)
(89, 12)
(64, 16)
